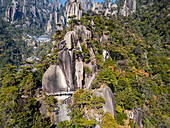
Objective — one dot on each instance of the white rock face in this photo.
(68, 73)
(57, 4)
(124, 10)
(61, 78)
(49, 27)
(56, 17)
(7, 14)
(40, 15)
(128, 8)
(81, 30)
(109, 104)
(14, 11)
(24, 9)
(83, 4)
(105, 55)
(129, 114)
(88, 5)
(53, 80)
(79, 73)
(62, 20)
(2, 2)
(107, 3)
(63, 110)
(71, 39)
(114, 6)
(107, 12)
(74, 8)
(132, 6)
(97, 7)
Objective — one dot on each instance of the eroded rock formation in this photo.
(128, 8)
(74, 8)
(45, 12)
(68, 74)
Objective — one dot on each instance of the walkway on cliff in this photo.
(61, 93)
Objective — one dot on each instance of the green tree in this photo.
(108, 121)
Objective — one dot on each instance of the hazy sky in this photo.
(85, 0)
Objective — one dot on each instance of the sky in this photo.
(92, 0)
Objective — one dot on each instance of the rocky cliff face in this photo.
(57, 4)
(136, 115)
(74, 8)
(109, 97)
(128, 8)
(46, 14)
(68, 74)
(61, 111)
(107, 3)
(83, 4)
(27, 13)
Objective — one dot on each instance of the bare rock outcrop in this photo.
(128, 8)
(2, 2)
(14, 11)
(54, 80)
(74, 8)
(88, 5)
(80, 73)
(83, 4)
(60, 77)
(71, 39)
(66, 61)
(138, 116)
(57, 4)
(109, 97)
(107, 3)
(61, 111)
(82, 33)
(68, 73)
(49, 24)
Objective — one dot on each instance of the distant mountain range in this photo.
(43, 15)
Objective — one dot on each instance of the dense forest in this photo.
(13, 49)
(137, 71)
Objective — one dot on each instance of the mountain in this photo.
(108, 67)
(42, 16)
(33, 14)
